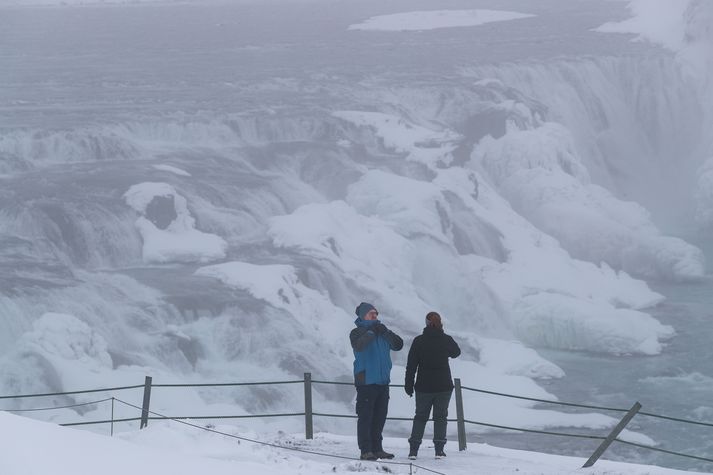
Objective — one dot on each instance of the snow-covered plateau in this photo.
(185, 450)
(203, 192)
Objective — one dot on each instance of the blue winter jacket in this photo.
(372, 352)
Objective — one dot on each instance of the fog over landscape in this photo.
(203, 192)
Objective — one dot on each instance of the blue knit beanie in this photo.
(363, 308)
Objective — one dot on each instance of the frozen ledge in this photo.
(431, 20)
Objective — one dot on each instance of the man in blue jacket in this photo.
(372, 343)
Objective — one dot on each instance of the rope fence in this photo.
(68, 393)
(278, 446)
(309, 414)
(200, 385)
(547, 401)
(670, 452)
(534, 431)
(107, 421)
(676, 419)
(58, 407)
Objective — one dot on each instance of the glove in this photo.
(380, 328)
(409, 390)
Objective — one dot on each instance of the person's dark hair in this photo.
(433, 319)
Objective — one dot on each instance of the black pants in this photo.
(371, 408)
(424, 402)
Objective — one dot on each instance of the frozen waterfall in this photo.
(224, 227)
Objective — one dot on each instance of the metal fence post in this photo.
(610, 438)
(308, 406)
(460, 416)
(147, 401)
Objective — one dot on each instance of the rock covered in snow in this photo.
(167, 227)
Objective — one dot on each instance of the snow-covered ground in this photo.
(170, 447)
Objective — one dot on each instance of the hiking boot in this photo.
(439, 449)
(413, 450)
(383, 455)
(368, 456)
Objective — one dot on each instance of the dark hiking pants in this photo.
(424, 403)
(371, 408)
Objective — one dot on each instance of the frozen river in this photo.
(677, 383)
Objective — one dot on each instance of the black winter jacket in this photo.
(429, 355)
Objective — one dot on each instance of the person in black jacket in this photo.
(428, 357)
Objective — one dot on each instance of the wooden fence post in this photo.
(308, 406)
(610, 438)
(460, 416)
(147, 401)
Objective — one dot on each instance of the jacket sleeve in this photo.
(411, 366)
(453, 348)
(395, 341)
(360, 337)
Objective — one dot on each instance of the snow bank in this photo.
(167, 227)
(512, 358)
(416, 142)
(171, 169)
(396, 238)
(60, 349)
(34, 448)
(434, 19)
(280, 287)
(396, 199)
(559, 321)
(365, 249)
(545, 290)
(64, 336)
(267, 282)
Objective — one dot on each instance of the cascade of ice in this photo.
(636, 124)
(638, 138)
(418, 196)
